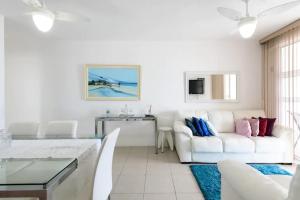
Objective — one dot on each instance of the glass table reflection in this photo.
(30, 177)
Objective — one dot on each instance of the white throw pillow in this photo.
(211, 128)
(294, 192)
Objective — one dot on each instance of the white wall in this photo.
(45, 77)
(2, 75)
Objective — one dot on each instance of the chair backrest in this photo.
(24, 130)
(61, 129)
(103, 175)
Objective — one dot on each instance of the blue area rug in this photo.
(208, 177)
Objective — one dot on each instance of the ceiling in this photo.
(146, 19)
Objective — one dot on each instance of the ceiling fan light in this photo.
(247, 27)
(43, 20)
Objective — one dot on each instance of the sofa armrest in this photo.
(281, 131)
(180, 127)
(249, 183)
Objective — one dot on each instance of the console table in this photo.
(127, 118)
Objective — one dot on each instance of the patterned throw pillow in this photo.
(190, 124)
(242, 127)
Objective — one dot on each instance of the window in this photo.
(289, 88)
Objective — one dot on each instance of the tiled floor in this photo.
(139, 174)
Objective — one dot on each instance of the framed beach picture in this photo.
(112, 82)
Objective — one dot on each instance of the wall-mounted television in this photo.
(196, 86)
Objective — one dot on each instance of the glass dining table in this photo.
(32, 177)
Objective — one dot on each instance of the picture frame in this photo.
(107, 82)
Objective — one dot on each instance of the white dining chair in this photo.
(103, 175)
(24, 130)
(61, 129)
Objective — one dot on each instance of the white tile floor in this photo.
(139, 174)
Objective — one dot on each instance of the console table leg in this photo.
(156, 137)
(103, 128)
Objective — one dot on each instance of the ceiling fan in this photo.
(247, 23)
(43, 18)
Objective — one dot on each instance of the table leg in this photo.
(96, 128)
(103, 129)
(156, 136)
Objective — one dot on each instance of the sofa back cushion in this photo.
(182, 115)
(241, 114)
(223, 121)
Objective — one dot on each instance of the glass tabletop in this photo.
(31, 171)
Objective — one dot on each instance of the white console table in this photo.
(126, 118)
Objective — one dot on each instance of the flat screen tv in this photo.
(196, 86)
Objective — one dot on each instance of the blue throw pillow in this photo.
(204, 128)
(213, 131)
(197, 125)
(189, 124)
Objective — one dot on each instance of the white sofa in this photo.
(242, 182)
(229, 145)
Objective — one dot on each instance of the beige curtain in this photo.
(281, 76)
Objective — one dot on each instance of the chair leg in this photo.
(162, 141)
(170, 140)
(108, 198)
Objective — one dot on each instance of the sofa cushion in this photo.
(222, 120)
(268, 145)
(234, 143)
(254, 124)
(240, 114)
(211, 144)
(243, 127)
(189, 114)
(190, 124)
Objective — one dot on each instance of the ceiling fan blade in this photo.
(70, 17)
(33, 3)
(230, 13)
(279, 9)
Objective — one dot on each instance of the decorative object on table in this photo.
(208, 177)
(165, 132)
(107, 113)
(112, 82)
(126, 112)
(5, 139)
(150, 110)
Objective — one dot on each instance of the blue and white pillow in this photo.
(211, 128)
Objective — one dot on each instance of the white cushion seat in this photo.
(234, 143)
(268, 144)
(207, 144)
